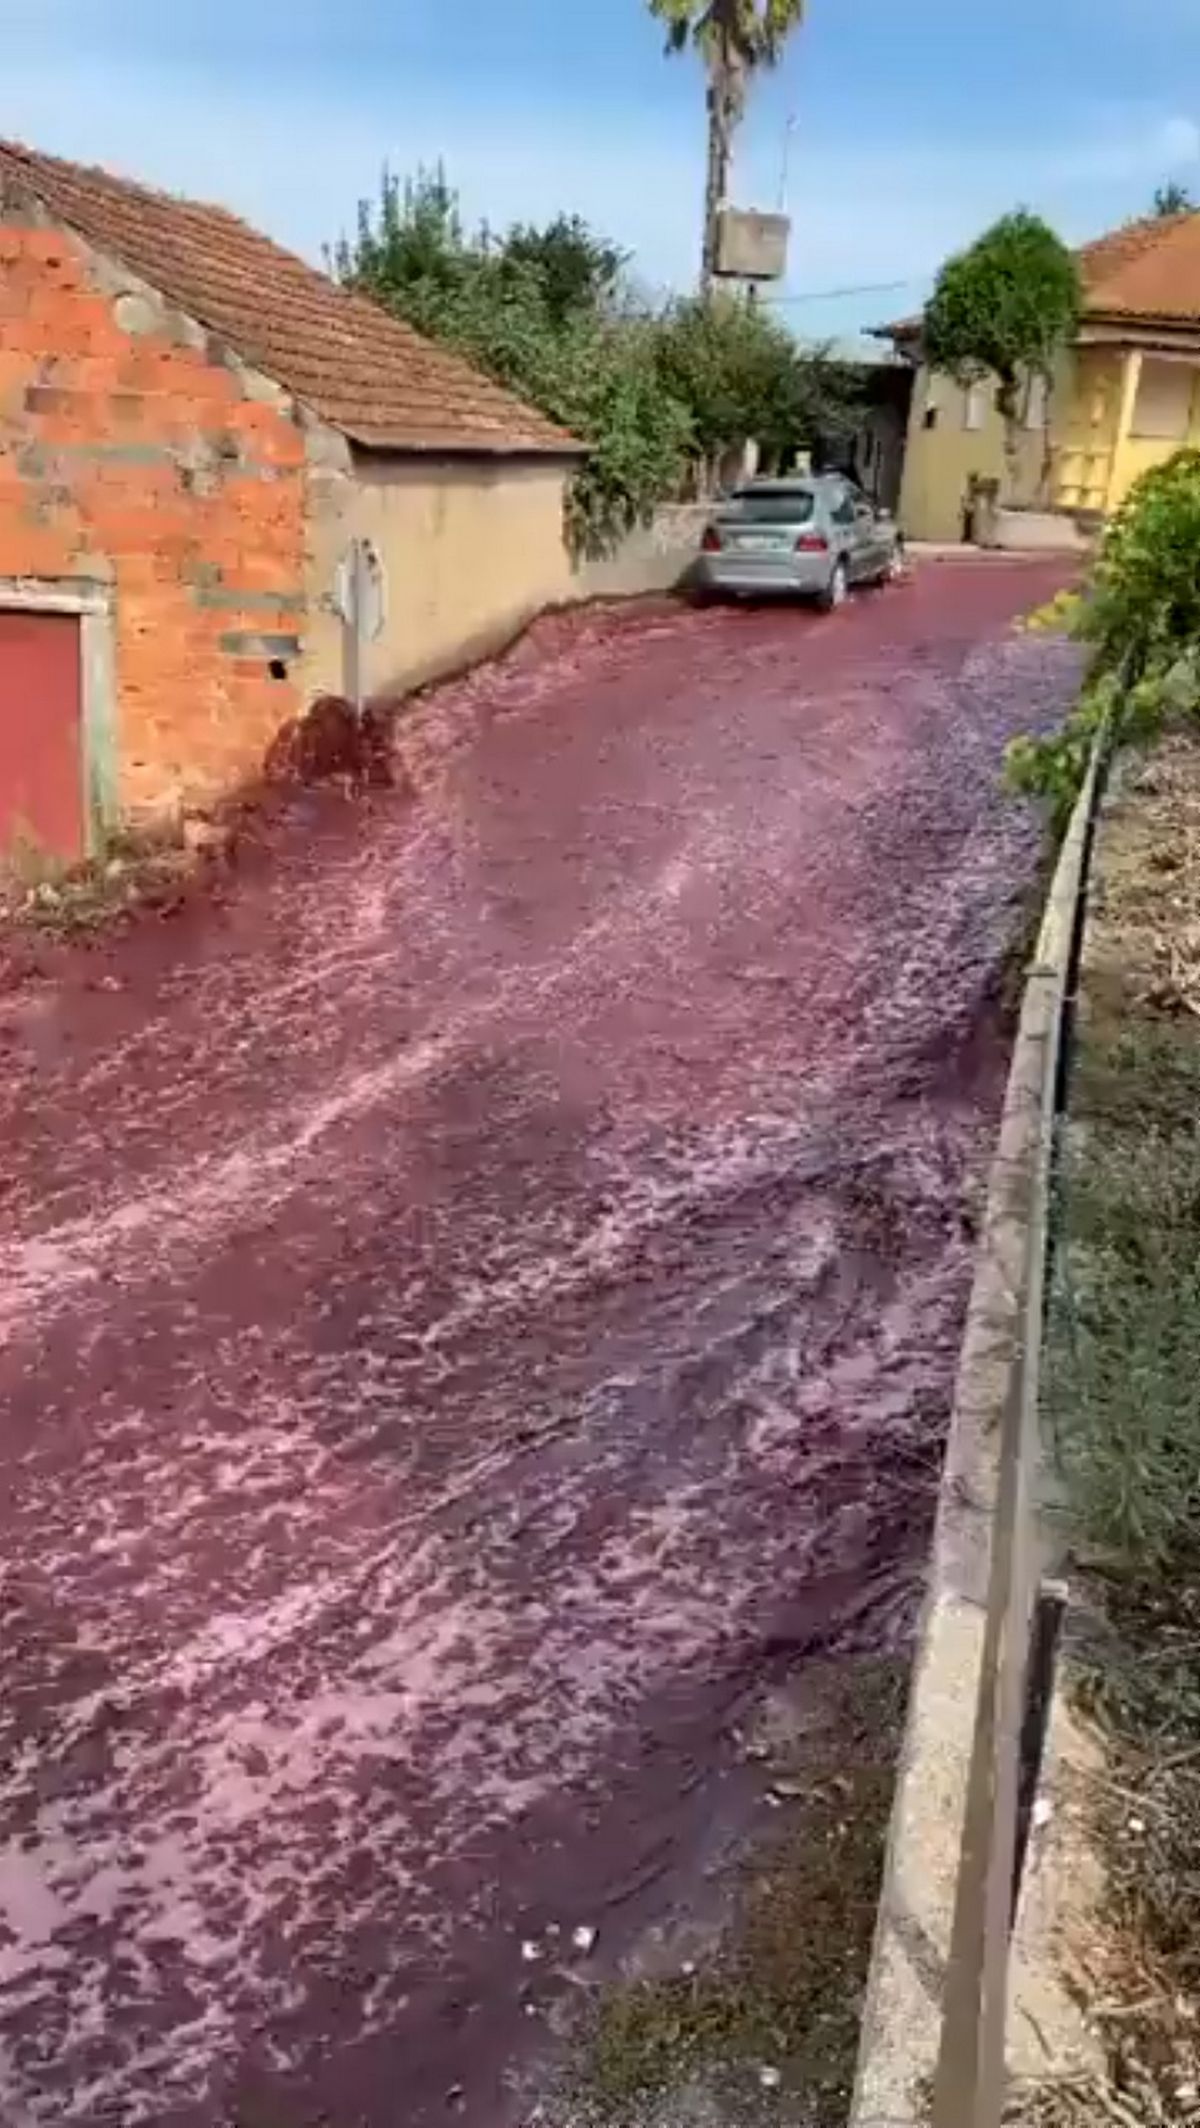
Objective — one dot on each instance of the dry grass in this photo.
(1123, 1398)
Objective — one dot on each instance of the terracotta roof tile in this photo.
(1150, 269)
(358, 368)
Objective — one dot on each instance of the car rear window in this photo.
(793, 507)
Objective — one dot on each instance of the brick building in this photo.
(194, 426)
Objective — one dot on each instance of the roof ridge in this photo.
(356, 364)
(1103, 261)
(113, 180)
(1141, 269)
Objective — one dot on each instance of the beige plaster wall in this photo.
(654, 557)
(471, 548)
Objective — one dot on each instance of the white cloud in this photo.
(1179, 141)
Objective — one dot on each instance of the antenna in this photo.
(785, 169)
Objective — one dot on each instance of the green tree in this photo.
(657, 394)
(1004, 308)
(409, 244)
(736, 39)
(539, 310)
(578, 271)
(741, 374)
(1173, 198)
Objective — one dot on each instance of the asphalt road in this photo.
(466, 1297)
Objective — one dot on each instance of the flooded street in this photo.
(472, 1301)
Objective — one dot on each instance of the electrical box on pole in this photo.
(752, 247)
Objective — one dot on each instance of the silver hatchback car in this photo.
(813, 537)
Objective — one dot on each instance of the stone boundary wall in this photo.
(932, 2049)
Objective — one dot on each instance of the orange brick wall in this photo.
(133, 456)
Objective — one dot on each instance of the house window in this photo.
(1163, 405)
(974, 406)
(1035, 402)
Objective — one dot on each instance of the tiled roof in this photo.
(1150, 269)
(357, 367)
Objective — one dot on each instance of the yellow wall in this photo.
(1136, 454)
(1097, 451)
(1088, 429)
(471, 549)
(939, 462)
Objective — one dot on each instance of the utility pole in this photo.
(785, 170)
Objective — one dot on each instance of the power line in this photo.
(863, 288)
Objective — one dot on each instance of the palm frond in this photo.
(754, 31)
(681, 19)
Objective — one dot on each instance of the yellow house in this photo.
(1126, 397)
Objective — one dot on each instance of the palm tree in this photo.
(735, 38)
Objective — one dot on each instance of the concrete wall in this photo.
(654, 557)
(932, 2049)
(136, 456)
(471, 549)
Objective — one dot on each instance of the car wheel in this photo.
(834, 594)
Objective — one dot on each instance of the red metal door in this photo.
(41, 767)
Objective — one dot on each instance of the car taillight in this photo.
(711, 542)
(812, 543)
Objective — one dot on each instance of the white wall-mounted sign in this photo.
(360, 590)
(360, 599)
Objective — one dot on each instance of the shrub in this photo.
(657, 394)
(1141, 618)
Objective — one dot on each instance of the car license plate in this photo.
(759, 542)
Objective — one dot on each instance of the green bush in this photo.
(1140, 617)
(739, 373)
(658, 394)
(1145, 602)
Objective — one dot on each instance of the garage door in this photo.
(41, 769)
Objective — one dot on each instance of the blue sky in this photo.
(913, 126)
